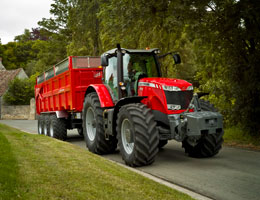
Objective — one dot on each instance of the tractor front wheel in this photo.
(137, 135)
(207, 146)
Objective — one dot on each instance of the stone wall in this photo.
(19, 111)
(32, 113)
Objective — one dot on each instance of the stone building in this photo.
(5, 77)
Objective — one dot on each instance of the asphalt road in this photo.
(234, 174)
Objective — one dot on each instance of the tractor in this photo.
(137, 110)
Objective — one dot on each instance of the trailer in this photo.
(60, 92)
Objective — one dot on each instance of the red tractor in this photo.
(134, 108)
(144, 111)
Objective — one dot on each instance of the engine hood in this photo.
(182, 84)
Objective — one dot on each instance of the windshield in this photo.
(137, 64)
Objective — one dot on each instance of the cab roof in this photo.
(114, 51)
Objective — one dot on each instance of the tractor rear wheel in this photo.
(137, 135)
(58, 128)
(93, 127)
(208, 145)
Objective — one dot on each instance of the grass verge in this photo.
(234, 136)
(39, 167)
(8, 170)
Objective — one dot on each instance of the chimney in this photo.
(2, 67)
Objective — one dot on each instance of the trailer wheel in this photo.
(138, 137)
(46, 125)
(208, 145)
(93, 127)
(58, 128)
(40, 124)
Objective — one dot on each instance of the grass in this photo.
(39, 167)
(8, 170)
(234, 136)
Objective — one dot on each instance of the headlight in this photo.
(190, 88)
(171, 88)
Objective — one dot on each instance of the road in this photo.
(234, 174)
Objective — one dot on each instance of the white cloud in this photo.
(17, 15)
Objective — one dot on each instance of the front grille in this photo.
(181, 98)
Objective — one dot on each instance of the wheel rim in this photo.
(91, 124)
(40, 127)
(45, 129)
(127, 137)
(51, 130)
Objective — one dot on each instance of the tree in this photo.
(141, 24)
(227, 56)
(34, 34)
(84, 25)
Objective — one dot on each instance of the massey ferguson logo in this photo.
(173, 107)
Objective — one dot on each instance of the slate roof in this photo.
(5, 77)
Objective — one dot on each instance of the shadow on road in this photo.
(74, 138)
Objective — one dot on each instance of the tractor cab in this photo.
(136, 64)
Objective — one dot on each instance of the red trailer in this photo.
(61, 90)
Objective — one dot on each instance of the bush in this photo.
(20, 91)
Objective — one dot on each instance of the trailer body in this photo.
(63, 87)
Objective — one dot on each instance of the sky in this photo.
(17, 15)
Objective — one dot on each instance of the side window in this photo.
(110, 74)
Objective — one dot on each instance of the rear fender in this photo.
(103, 95)
(128, 100)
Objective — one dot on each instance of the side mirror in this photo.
(104, 61)
(177, 58)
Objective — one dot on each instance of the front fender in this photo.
(103, 94)
(156, 101)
